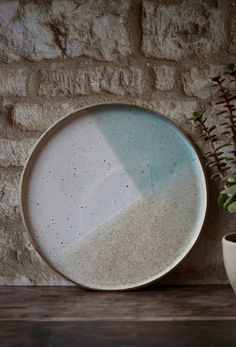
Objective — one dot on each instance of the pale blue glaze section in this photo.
(149, 147)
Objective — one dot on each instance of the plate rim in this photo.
(30, 157)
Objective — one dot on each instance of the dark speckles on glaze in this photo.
(104, 197)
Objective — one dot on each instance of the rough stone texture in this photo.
(14, 153)
(36, 116)
(61, 27)
(24, 33)
(178, 30)
(13, 82)
(99, 32)
(164, 75)
(232, 44)
(52, 62)
(69, 82)
(20, 264)
(197, 82)
(9, 191)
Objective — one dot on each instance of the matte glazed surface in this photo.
(114, 196)
(229, 255)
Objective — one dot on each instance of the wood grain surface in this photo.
(163, 316)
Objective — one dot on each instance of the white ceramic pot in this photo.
(229, 254)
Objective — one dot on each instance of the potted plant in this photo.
(221, 153)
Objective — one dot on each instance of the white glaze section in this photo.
(115, 198)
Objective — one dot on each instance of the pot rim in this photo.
(228, 238)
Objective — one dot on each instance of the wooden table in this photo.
(159, 316)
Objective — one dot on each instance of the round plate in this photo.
(113, 196)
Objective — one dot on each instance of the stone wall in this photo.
(56, 56)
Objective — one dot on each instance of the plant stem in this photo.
(229, 106)
(235, 79)
(234, 76)
(217, 160)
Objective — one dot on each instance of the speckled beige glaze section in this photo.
(143, 242)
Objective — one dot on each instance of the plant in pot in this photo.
(221, 153)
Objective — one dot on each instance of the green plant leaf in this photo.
(226, 169)
(222, 198)
(230, 67)
(230, 191)
(211, 128)
(232, 207)
(228, 202)
(197, 115)
(211, 163)
(222, 146)
(215, 176)
(231, 179)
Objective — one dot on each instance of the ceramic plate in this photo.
(114, 196)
